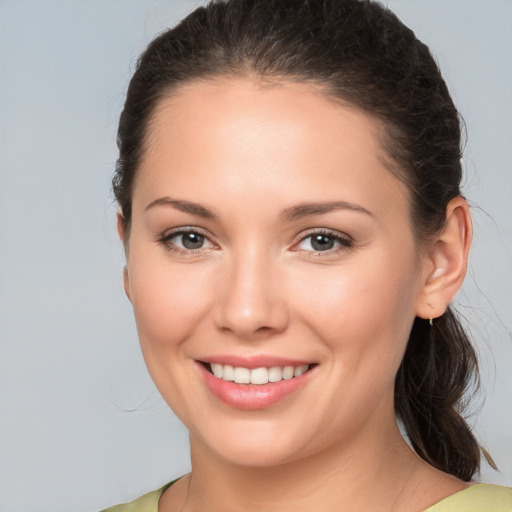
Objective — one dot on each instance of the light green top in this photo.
(477, 498)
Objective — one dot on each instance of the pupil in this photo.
(322, 242)
(192, 241)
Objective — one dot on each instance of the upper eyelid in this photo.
(186, 229)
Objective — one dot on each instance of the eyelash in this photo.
(344, 242)
(166, 238)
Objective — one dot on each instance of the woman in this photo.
(289, 196)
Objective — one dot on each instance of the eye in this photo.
(186, 240)
(324, 242)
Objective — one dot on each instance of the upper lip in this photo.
(256, 361)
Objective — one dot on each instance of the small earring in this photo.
(431, 322)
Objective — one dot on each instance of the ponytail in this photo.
(440, 365)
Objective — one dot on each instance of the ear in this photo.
(126, 283)
(446, 261)
(121, 227)
(121, 231)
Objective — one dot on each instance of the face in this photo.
(271, 246)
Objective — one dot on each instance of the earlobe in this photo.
(448, 257)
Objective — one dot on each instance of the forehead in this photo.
(282, 138)
(289, 110)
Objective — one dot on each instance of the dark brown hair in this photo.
(362, 55)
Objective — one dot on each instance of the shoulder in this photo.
(146, 503)
(477, 498)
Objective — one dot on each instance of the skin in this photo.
(249, 153)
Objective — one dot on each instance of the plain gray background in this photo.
(81, 425)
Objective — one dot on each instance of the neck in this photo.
(368, 473)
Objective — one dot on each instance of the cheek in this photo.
(362, 307)
(168, 301)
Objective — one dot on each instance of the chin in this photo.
(256, 446)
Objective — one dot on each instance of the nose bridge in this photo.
(250, 302)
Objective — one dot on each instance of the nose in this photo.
(251, 301)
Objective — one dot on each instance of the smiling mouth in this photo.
(258, 376)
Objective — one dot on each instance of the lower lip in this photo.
(252, 396)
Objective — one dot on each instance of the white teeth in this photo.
(299, 370)
(275, 374)
(217, 370)
(242, 375)
(259, 376)
(288, 373)
(228, 373)
(256, 376)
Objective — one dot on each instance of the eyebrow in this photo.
(184, 206)
(290, 214)
(306, 209)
